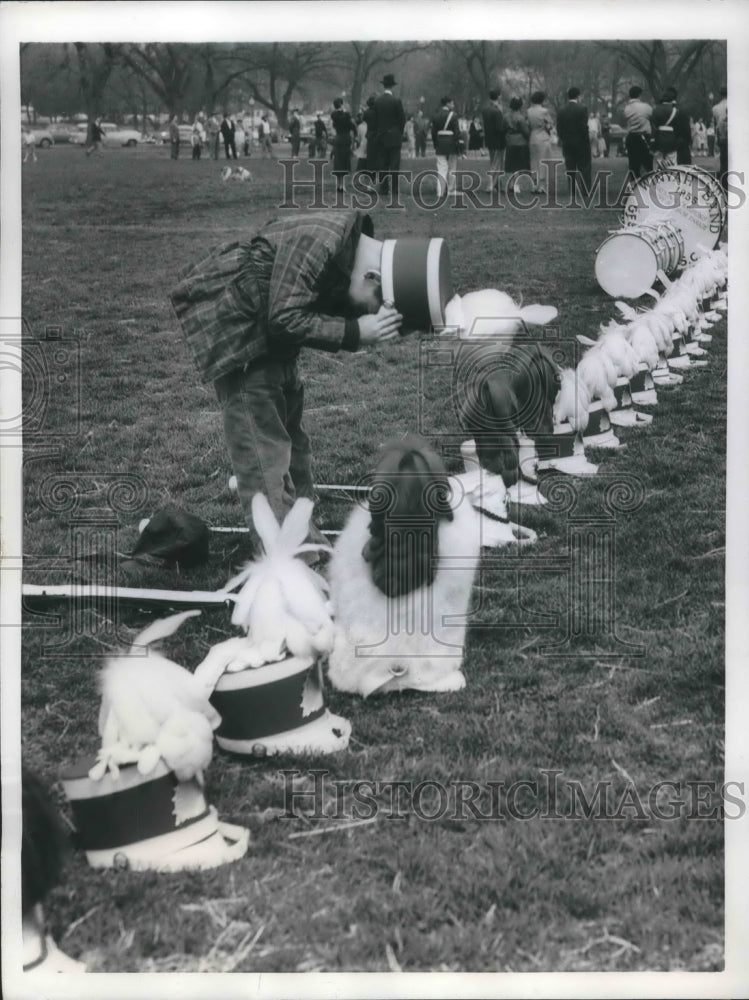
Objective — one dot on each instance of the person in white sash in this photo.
(447, 143)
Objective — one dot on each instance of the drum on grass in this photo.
(688, 197)
(628, 262)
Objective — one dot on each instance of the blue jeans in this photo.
(268, 447)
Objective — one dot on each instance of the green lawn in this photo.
(102, 243)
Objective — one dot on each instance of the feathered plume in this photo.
(491, 313)
(282, 606)
(152, 708)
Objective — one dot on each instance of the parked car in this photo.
(43, 136)
(63, 131)
(113, 134)
(123, 135)
(185, 134)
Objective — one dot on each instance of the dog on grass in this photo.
(235, 174)
(401, 577)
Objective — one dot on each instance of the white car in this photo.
(113, 134)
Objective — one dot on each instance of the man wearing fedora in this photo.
(389, 122)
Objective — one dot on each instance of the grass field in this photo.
(103, 240)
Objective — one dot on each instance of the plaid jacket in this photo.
(269, 296)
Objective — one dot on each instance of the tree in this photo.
(168, 67)
(660, 64)
(95, 64)
(362, 58)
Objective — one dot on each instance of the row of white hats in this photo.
(621, 370)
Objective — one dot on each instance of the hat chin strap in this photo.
(367, 257)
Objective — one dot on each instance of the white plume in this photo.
(282, 606)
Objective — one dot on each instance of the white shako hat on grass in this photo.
(148, 822)
(625, 415)
(642, 387)
(564, 452)
(277, 708)
(416, 278)
(599, 433)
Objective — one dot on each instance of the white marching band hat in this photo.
(564, 452)
(277, 708)
(415, 276)
(147, 822)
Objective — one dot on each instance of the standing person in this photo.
(214, 134)
(173, 138)
(29, 146)
(228, 131)
(672, 134)
(605, 132)
(390, 120)
(410, 137)
(361, 142)
(541, 125)
(295, 132)
(594, 134)
(710, 136)
(343, 142)
(447, 143)
(264, 138)
(370, 121)
(97, 137)
(421, 130)
(638, 116)
(494, 138)
(249, 307)
(197, 138)
(516, 134)
(572, 129)
(321, 137)
(720, 124)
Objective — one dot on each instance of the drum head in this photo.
(683, 197)
(626, 265)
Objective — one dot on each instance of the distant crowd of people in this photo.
(517, 140)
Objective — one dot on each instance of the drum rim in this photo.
(680, 172)
(673, 232)
(628, 231)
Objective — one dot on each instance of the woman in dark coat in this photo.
(517, 133)
(345, 133)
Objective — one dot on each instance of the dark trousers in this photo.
(295, 143)
(268, 447)
(389, 162)
(578, 167)
(175, 149)
(639, 156)
(229, 148)
(723, 168)
(421, 144)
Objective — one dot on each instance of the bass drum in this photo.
(687, 197)
(675, 244)
(628, 262)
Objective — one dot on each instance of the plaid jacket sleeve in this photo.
(245, 300)
(304, 267)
